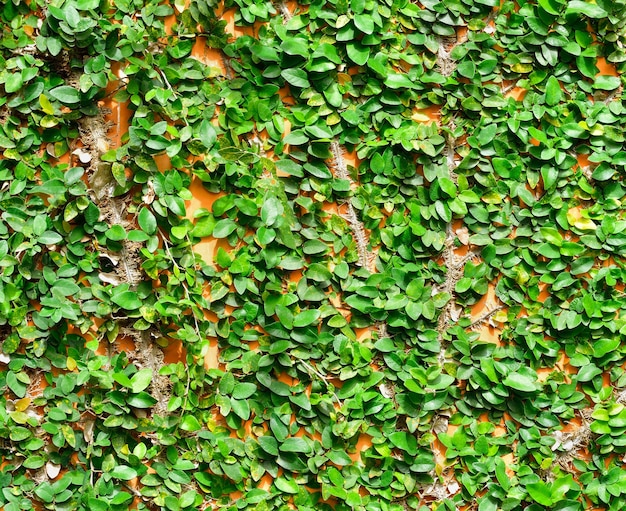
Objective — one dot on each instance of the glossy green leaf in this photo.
(520, 382)
(66, 94)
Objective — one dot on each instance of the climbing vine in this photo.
(413, 289)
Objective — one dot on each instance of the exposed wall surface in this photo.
(346, 255)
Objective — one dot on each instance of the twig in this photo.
(284, 10)
(485, 316)
(356, 226)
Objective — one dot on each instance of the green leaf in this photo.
(296, 77)
(16, 385)
(447, 186)
(295, 46)
(606, 82)
(553, 91)
(285, 316)
(66, 94)
(605, 346)
(315, 247)
(467, 69)
(204, 227)
(603, 172)
(540, 492)
(520, 382)
(263, 52)
(244, 390)
(588, 372)
(306, 318)
(272, 209)
(122, 379)
(358, 53)
(128, 300)
(404, 441)
(13, 82)
(587, 66)
(364, 23)
(85, 5)
(296, 137)
(486, 134)
(588, 9)
(141, 400)
(385, 345)
(549, 251)
(123, 472)
(551, 235)
(45, 492)
(289, 167)
(147, 221)
(551, 6)
(116, 233)
(241, 408)
(339, 457)
(50, 238)
(224, 228)
(268, 444)
(286, 485)
(190, 423)
(141, 380)
(295, 444)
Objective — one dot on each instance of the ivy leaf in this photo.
(285, 316)
(268, 444)
(603, 172)
(207, 133)
(554, 93)
(541, 493)
(224, 228)
(405, 441)
(296, 77)
(588, 9)
(241, 408)
(66, 94)
(123, 472)
(147, 221)
(295, 444)
(16, 386)
(306, 318)
(265, 53)
(45, 492)
(467, 69)
(551, 6)
(141, 400)
(364, 23)
(244, 390)
(314, 247)
(190, 423)
(13, 82)
(272, 209)
(295, 46)
(128, 300)
(358, 53)
(141, 380)
(520, 382)
(606, 82)
(604, 346)
(86, 5)
(447, 186)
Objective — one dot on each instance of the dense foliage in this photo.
(354, 235)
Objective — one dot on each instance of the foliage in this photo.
(355, 234)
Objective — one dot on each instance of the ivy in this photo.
(405, 291)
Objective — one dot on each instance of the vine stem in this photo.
(454, 263)
(358, 229)
(166, 245)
